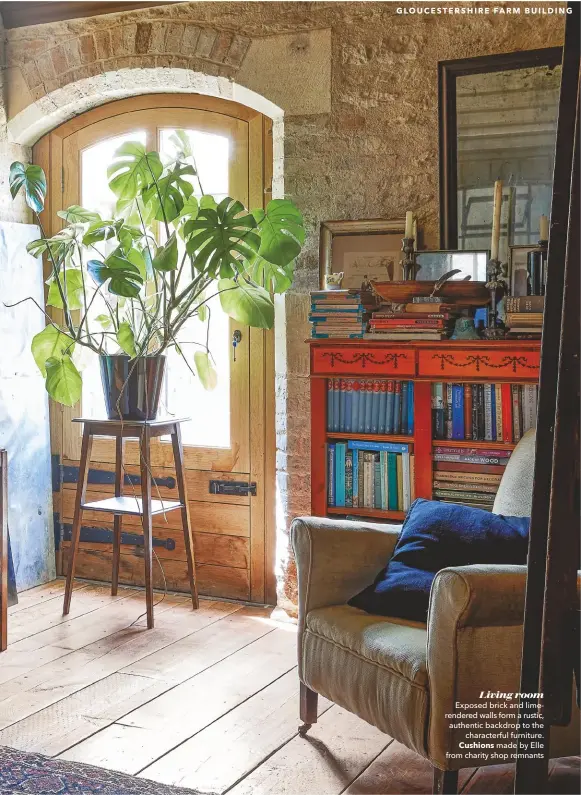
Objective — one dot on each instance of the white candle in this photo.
(409, 224)
(496, 219)
(544, 228)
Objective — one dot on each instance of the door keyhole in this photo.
(236, 338)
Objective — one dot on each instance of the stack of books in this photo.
(340, 313)
(420, 320)
(483, 412)
(370, 406)
(524, 317)
(371, 475)
(468, 476)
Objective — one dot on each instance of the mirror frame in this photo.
(448, 72)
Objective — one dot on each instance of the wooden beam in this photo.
(18, 14)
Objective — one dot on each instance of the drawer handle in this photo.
(364, 358)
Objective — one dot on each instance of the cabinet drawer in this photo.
(363, 361)
(467, 364)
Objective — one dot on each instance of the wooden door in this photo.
(229, 433)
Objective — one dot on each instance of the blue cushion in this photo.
(434, 536)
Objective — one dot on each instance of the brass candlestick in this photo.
(497, 284)
(410, 266)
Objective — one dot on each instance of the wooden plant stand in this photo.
(121, 505)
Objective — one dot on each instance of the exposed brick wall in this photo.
(375, 154)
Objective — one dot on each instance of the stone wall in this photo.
(358, 85)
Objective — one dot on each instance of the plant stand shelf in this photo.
(129, 505)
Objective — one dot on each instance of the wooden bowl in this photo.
(452, 292)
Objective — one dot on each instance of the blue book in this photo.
(361, 409)
(335, 404)
(377, 447)
(411, 408)
(330, 397)
(354, 407)
(333, 310)
(375, 408)
(404, 407)
(368, 400)
(348, 401)
(457, 411)
(382, 406)
(355, 499)
(340, 448)
(397, 408)
(493, 410)
(389, 407)
(377, 483)
(342, 405)
(331, 475)
(316, 336)
(392, 482)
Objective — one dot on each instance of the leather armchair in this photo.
(404, 676)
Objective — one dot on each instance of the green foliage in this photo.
(30, 179)
(120, 290)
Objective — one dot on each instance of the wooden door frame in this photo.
(47, 152)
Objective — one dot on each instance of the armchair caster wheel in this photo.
(304, 728)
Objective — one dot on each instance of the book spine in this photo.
(399, 471)
(469, 459)
(368, 405)
(412, 478)
(354, 406)
(330, 397)
(468, 495)
(482, 413)
(506, 402)
(397, 408)
(382, 405)
(336, 398)
(404, 406)
(331, 475)
(375, 407)
(392, 481)
(368, 480)
(529, 408)
(405, 465)
(377, 482)
(452, 466)
(515, 398)
(492, 412)
(438, 410)
(389, 407)
(342, 405)
(499, 408)
(474, 388)
(485, 488)
(529, 304)
(361, 409)
(472, 451)
(487, 413)
(468, 478)
(383, 473)
(349, 479)
(340, 474)
(411, 404)
(457, 411)
(467, 411)
(348, 404)
(448, 421)
(355, 478)
(361, 478)
(391, 447)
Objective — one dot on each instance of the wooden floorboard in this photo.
(207, 700)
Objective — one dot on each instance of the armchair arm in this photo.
(474, 645)
(337, 559)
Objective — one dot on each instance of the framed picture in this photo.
(434, 264)
(361, 251)
(517, 269)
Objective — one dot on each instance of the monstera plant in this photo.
(125, 286)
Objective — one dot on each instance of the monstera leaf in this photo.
(100, 230)
(246, 303)
(166, 258)
(48, 344)
(126, 280)
(72, 285)
(126, 339)
(78, 215)
(217, 235)
(133, 170)
(30, 179)
(63, 381)
(166, 200)
(206, 372)
(282, 233)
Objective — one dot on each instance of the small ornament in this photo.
(464, 329)
(333, 281)
(497, 284)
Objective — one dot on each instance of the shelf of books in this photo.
(391, 422)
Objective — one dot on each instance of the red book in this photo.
(411, 323)
(451, 450)
(467, 411)
(452, 466)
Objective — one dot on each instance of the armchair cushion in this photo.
(436, 535)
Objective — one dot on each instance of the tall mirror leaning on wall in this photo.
(498, 121)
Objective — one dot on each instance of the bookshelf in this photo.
(514, 362)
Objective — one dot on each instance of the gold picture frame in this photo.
(366, 249)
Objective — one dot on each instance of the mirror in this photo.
(498, 121)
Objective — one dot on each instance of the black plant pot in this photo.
(132, 387)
